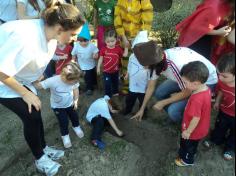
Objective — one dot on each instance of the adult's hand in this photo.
(139, 115)
(32, 100)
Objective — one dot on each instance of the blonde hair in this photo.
(75, 73)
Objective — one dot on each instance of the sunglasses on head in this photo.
(82, 40)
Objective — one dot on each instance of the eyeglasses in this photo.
(82, 40)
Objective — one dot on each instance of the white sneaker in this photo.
(79, 132)
(66, 141)
(53, 153)
(46, 166)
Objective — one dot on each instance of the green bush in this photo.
(164, 23)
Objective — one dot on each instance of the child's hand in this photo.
(186, 134)
(120, 133)
(95, 56)
(126, 77)
(76, 104)
(64, 57)
(114, 111)
(216, 106)
(98, 71)
(224, 31)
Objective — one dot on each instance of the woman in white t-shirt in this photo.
(29, 9)
(23, 61)
(172, 94)
(7, 11)
(64, 99)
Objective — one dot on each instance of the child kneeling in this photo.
(196, 121)
(64, 99)
(98, 115)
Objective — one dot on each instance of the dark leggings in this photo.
(32, 123)
(63, 116)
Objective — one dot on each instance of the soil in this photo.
(148, 148)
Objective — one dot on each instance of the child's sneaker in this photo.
(46, 166)
(97, 143)
(179, 162)
(228, 155)
(53, 153)
(208, 144)
(66, 141)
(79, 132)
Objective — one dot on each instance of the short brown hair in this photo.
(76, 72)
(226, 64)
(66, 15)
(195, 71)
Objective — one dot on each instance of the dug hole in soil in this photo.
(148, 148)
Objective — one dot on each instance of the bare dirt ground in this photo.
(148, 149)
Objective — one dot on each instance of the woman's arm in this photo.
(30, 98)
(149, 92)
(21, 10)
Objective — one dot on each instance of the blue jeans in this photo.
(111, 82)
(174, 110)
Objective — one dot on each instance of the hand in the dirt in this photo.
(216, 106)
(185, 134)
(120, 133)
(138, 116)
(32, 100)
(159, 106)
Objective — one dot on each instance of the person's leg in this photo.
(130, 101)
(94, 77)
(221, 127)
(73, 115)
(230, 140)
(107, 84)
(98, 124)
(176, 110)
(141, 97)
(165, 90)
(32, 124)
(188, 150)
(61, 115)
(115, 83)
(88, 77)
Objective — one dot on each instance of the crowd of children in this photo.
(122, 32)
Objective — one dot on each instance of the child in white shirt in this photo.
(64, 99)
(98, 114)
(85, 53)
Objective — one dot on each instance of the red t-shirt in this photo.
(111, 59)
(228, 101)
(60, 52)
(199, 105)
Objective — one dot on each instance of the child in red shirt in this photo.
(62, 56)
(110, 59)
(224, 132)
(196, 121)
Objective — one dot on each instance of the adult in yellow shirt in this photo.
(132, 16)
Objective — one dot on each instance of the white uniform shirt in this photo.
(24, 57)
(138, 76)
(180, 56)
(85, 55)
(61, 93)
(8, 10)
(30, 11)
(99, 107)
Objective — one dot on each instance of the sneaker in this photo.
(46, 166)
(89, 92)
(66, 141)
(79, 132)
(207, 144)
(97, 143)
(179, 162)
(53, 153)
(228, 155)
